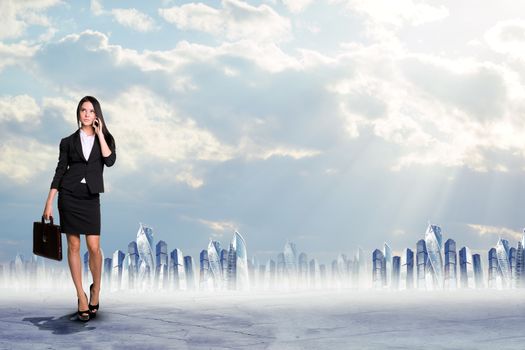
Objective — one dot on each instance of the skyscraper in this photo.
(238, 264)
(450, 265)
(134, 256)
(493, 269)
(204, 278)
(502, 252)
(106, 275)
(466, 268)
(378, 269)
(145, 249)
(161, 264)
(387, 254)
(406, 276)
(314, 280)
(303, 269)
(214, 260)
(290, 264)
(188, 269)
(421, 262)
(133, 265)
(433, 242)
(116, 270)
(519, 265)
(224, 266)
(513, 265)
(269, 275)
(396, 269)
(177, 272)
(478, 271)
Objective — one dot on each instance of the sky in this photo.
(333, 124)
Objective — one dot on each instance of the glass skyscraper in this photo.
(189, 270)
(450, 265)
(177, 271)
(378, 269)
(161, 264)
(502, 253)
(238, 277)
(214, 260)
(145, 249)
(433, 242)
(421, 263)
(466, 268)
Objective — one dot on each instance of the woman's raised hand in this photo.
(97, 124)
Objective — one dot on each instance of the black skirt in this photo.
(79, 210)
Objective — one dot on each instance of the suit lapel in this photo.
(95, 148)
(78, 144)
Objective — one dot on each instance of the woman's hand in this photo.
(48, 211)
(97, 124)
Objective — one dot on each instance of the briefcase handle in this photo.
(50, 219)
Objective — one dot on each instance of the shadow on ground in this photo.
(67, 324)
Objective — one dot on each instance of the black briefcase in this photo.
(47, 240)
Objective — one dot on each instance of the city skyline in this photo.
(148, 264)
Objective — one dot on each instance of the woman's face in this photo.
(87, 113)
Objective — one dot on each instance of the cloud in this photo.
(20, 108)
(508, 38)
(449, 112)
(96, 7)
(148, 127)
(134, 19)
(483, 230)
(220, 226)
(17, 16)
(23, 158)
(397, 13)
(16, 54)
(296, 6)
(235, 20)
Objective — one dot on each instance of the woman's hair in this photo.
(98, 112)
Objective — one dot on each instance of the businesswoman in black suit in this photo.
(78, 181)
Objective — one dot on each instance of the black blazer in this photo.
(72, 166)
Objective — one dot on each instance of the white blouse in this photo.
(87, 145)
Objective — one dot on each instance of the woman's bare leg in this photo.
(95, 265)
(73, 259)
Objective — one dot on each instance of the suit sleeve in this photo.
(110, 160)
(62, 164)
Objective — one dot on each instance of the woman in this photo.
(78, 181)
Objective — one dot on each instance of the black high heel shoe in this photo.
(93, 309)
(83, 315)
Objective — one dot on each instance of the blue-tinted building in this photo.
(503, 252)
(269, 275)
(106, 275)
(116, 269)
(177, 271)
(406, 276)
(188, 269)
(493, 269)
(161, 264)
(378, 269)
(519, 265)
(396, 269)
(466, 268)
(204, 270)
(421, 263)
(478, 271)
(303, 269)
(450, 265)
